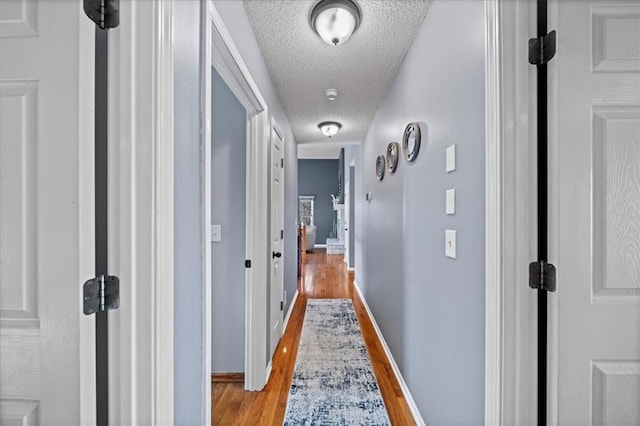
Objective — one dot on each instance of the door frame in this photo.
(510, 160)
(141, 213)
(219, 51)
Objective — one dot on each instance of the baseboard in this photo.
(319, 246)
(291, 305)
(405, 390)
(227, 377)
(268, 372)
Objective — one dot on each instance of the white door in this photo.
(594, 100)
(277, 238)
(46, 213)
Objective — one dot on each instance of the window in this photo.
(305, 209)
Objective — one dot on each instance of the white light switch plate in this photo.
(216, 234)
(450, 243)
(451, 201)
(451, 158)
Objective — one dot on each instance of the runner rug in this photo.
(333, 381)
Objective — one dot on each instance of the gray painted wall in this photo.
(430, 308)
(187, 216)
(320, 178)
(228, 195)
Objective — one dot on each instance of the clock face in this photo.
(393, 151)
(411, 141)
(380, 166)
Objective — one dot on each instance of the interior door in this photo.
(594, 136)
(277, 238)
(46, 213)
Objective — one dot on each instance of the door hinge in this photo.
(542, 49)
(281, 305)
(105, 13)
(282, 234)
(247, 263)
(282, 163)
(101, 294)
(542, 276)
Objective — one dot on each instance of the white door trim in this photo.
(493, 217)
(141, 213)
(510, 311)
(219, 51)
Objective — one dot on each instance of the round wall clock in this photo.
(393, 151)
(411, 141)
(380, 166)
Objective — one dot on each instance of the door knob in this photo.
(276, 254)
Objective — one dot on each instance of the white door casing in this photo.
(594, 137)
(220, 52)
(276, 209)
(46, 213)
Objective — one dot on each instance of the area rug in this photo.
(333, 381)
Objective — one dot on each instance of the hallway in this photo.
(323, 276)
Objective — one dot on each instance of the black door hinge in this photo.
(281, 305)
(101, 294)
(105, 13)
(542, 49)
(542, 276)
(247, 263)
(282, 234)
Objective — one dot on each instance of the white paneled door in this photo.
(46, 213)
(277, 238)
(594, 100)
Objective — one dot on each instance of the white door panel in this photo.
(595, 238)
(46, 212)
(277, 246)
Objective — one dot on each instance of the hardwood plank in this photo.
(323, 276)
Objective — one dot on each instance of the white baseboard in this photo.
(286, 318)
(319, 246)
(268, 372)
(405, 390)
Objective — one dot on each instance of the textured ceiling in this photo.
(302, 66)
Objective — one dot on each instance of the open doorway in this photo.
(228, 236)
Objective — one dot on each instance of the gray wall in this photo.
(187, 216)
(430, 308)
(320, 178)
(228, 195)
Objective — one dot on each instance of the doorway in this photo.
(228, 245)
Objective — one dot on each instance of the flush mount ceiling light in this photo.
(335, 20)
(329, 128)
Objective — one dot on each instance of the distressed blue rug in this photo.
(333, 381)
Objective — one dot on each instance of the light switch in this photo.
(451, 201)
(216, 235)
(451, 158)
(450, 243)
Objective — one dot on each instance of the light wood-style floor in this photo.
(323, 276)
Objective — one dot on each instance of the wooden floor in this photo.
(323, 276)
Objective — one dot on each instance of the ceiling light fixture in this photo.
(335, 20)
(332, 94)
(329, 128)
